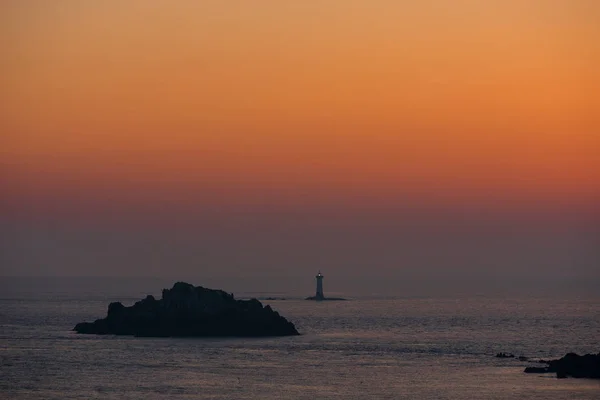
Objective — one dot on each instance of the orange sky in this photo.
(442, 101)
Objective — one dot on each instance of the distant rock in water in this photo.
(573, 365)
(511, 355)
(187, 311)
(536, 370)
(505, 355)
(319, 298)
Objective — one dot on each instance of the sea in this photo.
(372, 346)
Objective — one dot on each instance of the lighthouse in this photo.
(319, 294)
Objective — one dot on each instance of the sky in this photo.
(440, 139)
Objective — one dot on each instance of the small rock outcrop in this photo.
(323, 298)
(505, 355)
(189, 311)
(571, 365)
(536, 370)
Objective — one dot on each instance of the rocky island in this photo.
(189, 311)
(573, 365)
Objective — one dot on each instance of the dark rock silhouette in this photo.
(573, 365)
(505, 355)
(186, 311)
(272, 298)
(536, 370)
(322, 298)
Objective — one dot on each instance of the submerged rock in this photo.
(573, 365)
(186, 310)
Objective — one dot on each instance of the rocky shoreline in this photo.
(571, 365)
(189, 311)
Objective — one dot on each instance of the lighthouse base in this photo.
(322, 298)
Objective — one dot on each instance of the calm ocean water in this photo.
(412, 347)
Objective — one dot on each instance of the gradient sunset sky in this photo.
(280, 137)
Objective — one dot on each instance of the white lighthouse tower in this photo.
(319, 294)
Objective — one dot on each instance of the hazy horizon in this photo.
(447, 141)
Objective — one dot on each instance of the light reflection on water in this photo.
(414, 348)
